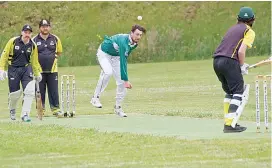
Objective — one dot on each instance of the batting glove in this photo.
(3, 75)
(244, 69)
(38, 78)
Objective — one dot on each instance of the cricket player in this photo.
(112, 57)
(229, 66)
(20, 59)
(49, 49)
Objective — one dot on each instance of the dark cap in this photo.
(246, 14)
(27, 27)
(44, 22)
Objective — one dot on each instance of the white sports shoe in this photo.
(96, 103)
(119, 111)
(26, 118)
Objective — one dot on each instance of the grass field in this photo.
(168, 94)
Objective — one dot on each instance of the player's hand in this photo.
(244, 69)
(3, 75)
(128, 85)
(38, 78)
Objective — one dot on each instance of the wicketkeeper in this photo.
(112, 57)
(20, 59)
(229, 66)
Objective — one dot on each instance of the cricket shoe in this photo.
(59, 114)
(25, 118)
(119, 111)
(13, 114)
(55, 111)
(237, 128)
(95, 102)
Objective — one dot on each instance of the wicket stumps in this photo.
(264, 79)
(68, 78)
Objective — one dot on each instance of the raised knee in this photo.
(235, 102)
(228, 98)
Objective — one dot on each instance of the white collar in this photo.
(130, 40)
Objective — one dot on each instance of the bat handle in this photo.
(37, 86)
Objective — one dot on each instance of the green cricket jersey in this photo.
(119, 45)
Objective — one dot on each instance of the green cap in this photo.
(245, 14)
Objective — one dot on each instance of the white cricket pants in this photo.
(110, 65)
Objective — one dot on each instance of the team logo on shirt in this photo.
(52, 43)
(17, 47)
(28, 50)
(39, 43)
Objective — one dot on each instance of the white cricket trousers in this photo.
(110, 65)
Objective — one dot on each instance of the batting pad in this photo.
(242, 106)
(29, 95)
(13, 99)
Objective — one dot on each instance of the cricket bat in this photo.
(261, 63)
(39, 106)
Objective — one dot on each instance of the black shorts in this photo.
(229, 74)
